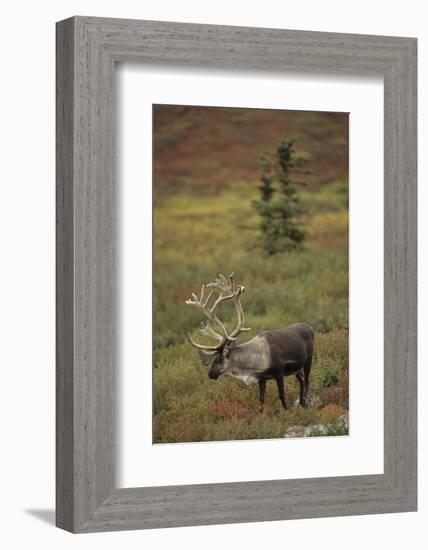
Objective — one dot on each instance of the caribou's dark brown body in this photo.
(272, 354)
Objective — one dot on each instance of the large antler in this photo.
(227, 292)
(203, 304)
(228, 288)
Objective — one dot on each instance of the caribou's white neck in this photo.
(246, 377)
(248, 360)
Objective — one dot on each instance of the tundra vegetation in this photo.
(206, 178)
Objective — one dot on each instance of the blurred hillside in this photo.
(209, 147)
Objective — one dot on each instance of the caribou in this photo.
(271, 354)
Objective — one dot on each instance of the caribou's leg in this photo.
(301, 379)
(307, 370)
(262, 387)
(280, 383)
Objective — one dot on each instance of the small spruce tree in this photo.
(279, 206)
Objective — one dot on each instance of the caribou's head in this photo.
(217, 356)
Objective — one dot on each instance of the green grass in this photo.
(200, 234)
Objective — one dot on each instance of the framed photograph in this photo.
(236, 274)
(241, 208)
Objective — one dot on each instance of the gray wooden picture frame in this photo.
(87, 50)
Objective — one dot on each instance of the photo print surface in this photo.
(250, 274)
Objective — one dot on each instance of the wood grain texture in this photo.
(64, 278)
(87, 49)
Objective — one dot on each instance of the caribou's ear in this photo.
(206, 357)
